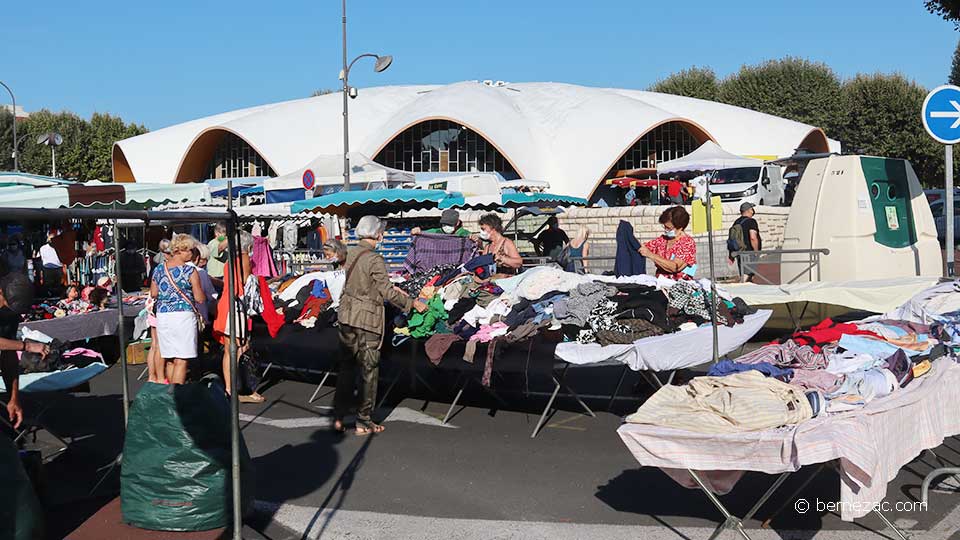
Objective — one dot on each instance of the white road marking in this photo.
(399, 414)
(360, 525)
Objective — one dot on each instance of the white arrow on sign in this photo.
(949, 114)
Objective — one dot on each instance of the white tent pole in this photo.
(713, 277)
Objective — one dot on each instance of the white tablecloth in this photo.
(871, 443)
(670, 351)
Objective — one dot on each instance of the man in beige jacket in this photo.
(361, 316)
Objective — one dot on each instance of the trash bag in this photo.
(21, 517)
(176, 473)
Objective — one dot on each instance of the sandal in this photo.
(367, 427)
(252, 398)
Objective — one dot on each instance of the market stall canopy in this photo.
(328, 172)
(377, 202)
(24, 179)
(218, 186)
(104, 195)
(709, 157)
(515, 200)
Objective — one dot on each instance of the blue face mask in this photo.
(672, 233)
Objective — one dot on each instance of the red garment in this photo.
(673, 189)
(313, 307)
(684, 249)
(98, 238)
(270, 316)
(828, 332)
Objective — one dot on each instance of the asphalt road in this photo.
(481, 477)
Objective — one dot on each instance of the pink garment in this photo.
(80, 351)
(816, 379)
(262, 258)
(486, 333)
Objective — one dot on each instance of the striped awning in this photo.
(130, 196)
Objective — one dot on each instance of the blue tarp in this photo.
(58, 381)
(378, 201)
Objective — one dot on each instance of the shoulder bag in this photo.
(201, 324)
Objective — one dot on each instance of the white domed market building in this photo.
(571, 136)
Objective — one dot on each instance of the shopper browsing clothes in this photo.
(449, 224)
(505, 253)
(552, 239)
(240, 269)
(52, 268)
(361, 316)
(335, 253)
(674, 252)
(176, 286)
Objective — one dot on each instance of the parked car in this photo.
(937, 207)
(758, 185)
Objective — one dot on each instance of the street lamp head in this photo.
(383, 62)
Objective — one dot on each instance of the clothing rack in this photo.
(87, 270)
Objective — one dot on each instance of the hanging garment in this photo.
(270, 316)
(437, 346)
(431, 250)
(272, 231)
(628, 262)
(262, 258)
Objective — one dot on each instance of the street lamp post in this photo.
(16, 158)
(383, 62)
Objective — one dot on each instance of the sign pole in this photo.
(948, 212)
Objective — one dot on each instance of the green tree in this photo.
(695, 82)
(882, 118)
(955, 67)
(323, 92)
(794, 88)
(6, 140)
(948, 9)
(87, 147)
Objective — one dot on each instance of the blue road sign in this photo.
(941, 114)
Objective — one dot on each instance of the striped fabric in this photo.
(872, 443)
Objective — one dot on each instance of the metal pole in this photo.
(713, 277)
(53, 158)
(16, 156)
(948, 210)
(118, 291)
(346, 118)
(233, 269)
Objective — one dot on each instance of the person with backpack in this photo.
(744, 235)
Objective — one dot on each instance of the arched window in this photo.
(234, 158)
(662, 143)
(443, 146)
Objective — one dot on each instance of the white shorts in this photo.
(177, 334)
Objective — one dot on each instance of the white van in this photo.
(758, 185)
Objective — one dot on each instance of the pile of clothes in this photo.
(309, 300)
(463, 304)
(833, 367)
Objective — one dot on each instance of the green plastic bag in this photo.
(175, 473)
(20, 512)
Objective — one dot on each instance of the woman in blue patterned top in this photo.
(177, 288)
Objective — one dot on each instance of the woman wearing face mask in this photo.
(504, 251)
(674, 252)
(335, 253)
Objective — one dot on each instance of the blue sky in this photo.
(160, 63)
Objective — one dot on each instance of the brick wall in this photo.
(603, 222)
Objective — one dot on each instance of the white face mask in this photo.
(672, 233)
(448, 229)
(484, 235)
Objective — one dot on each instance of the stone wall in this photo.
(603, 222)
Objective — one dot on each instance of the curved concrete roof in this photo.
(567, 135)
